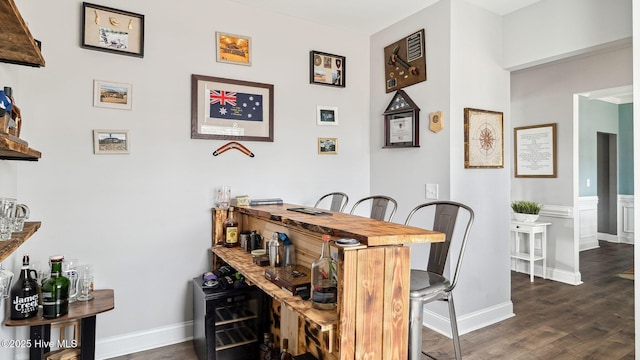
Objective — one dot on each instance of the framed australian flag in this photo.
(229, 109)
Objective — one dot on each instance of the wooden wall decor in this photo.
(405, 62)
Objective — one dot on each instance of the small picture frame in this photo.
(327, 69)
(327, 115)
(112, 30)
(483, 139)
(112, 95)
(233, 49)
(327, 146)
(111, 142)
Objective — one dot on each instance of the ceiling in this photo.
(367, 16)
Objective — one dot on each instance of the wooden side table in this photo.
(85, 311)
(530, 228)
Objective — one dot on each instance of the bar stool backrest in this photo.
(379, 205)
(339, 201)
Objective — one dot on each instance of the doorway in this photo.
(607, 186)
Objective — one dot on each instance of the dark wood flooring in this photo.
(557, 321)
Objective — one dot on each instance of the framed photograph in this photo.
(327, 115)
(233, 49)
(535, 151)
(483, 139)
(327, 69)
(111, 141)
(327, 146)
(112, 30)
(227, 109)
(112, 95)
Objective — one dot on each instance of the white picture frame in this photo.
(109, 141)
(326, 115)
(112, 95)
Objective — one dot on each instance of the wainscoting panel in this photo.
(625, 219)
(588, 209)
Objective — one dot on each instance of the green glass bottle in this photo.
(55, 291)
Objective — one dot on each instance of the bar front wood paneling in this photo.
(372, 317)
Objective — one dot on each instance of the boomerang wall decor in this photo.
(405, 62)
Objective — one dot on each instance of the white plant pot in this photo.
(526, 217)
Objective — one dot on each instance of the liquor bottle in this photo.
(55, 291)
(285, 354)
(230, 230)
(24, 293)
(324, 286)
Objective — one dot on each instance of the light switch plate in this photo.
(431, 191)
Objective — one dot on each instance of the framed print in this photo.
(112, 30)
(233, 49)
(327, 69)
(229, 109)
(327, 115)
(327, 146)
(112, 95)
(483, 139)
(111, 141)
(535, 151)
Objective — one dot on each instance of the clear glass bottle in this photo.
(230, 229)
(324, 285)
(285, 354)
(55, 291)
(24, 293)
(275, 250)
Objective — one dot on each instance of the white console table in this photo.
(530, 255)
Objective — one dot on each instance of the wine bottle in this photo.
(324, 286)
(55, 291)
(230, 230)
(24, 293)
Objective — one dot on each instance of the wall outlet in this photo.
(431, 191)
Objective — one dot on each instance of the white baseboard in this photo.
(562, 276)
(143, 340)
(469, 322)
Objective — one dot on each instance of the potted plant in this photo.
(527, 211)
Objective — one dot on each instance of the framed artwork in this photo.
(227, 109)
(112, 30)
(111, 142)
(327, 145)
(483, 139)
(535, 151)
(405, 62)
(401, 122)
(233, 49)
(327, 69)
(327, 115)
(112, 95)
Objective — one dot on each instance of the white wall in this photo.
(455, 80)
(551, 30)
(143, 219)
(544, 95)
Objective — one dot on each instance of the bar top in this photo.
(368, 231)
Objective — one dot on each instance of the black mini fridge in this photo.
(226, 323)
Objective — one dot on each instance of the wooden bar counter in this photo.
(372, 317)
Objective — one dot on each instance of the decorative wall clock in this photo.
(405, 62)
(483, 139)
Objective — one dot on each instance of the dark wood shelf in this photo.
(18, 238)
(12, 148)
(17, 46)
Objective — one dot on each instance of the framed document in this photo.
(401, 122)
(535, 151)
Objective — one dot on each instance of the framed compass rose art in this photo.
(483, 139)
